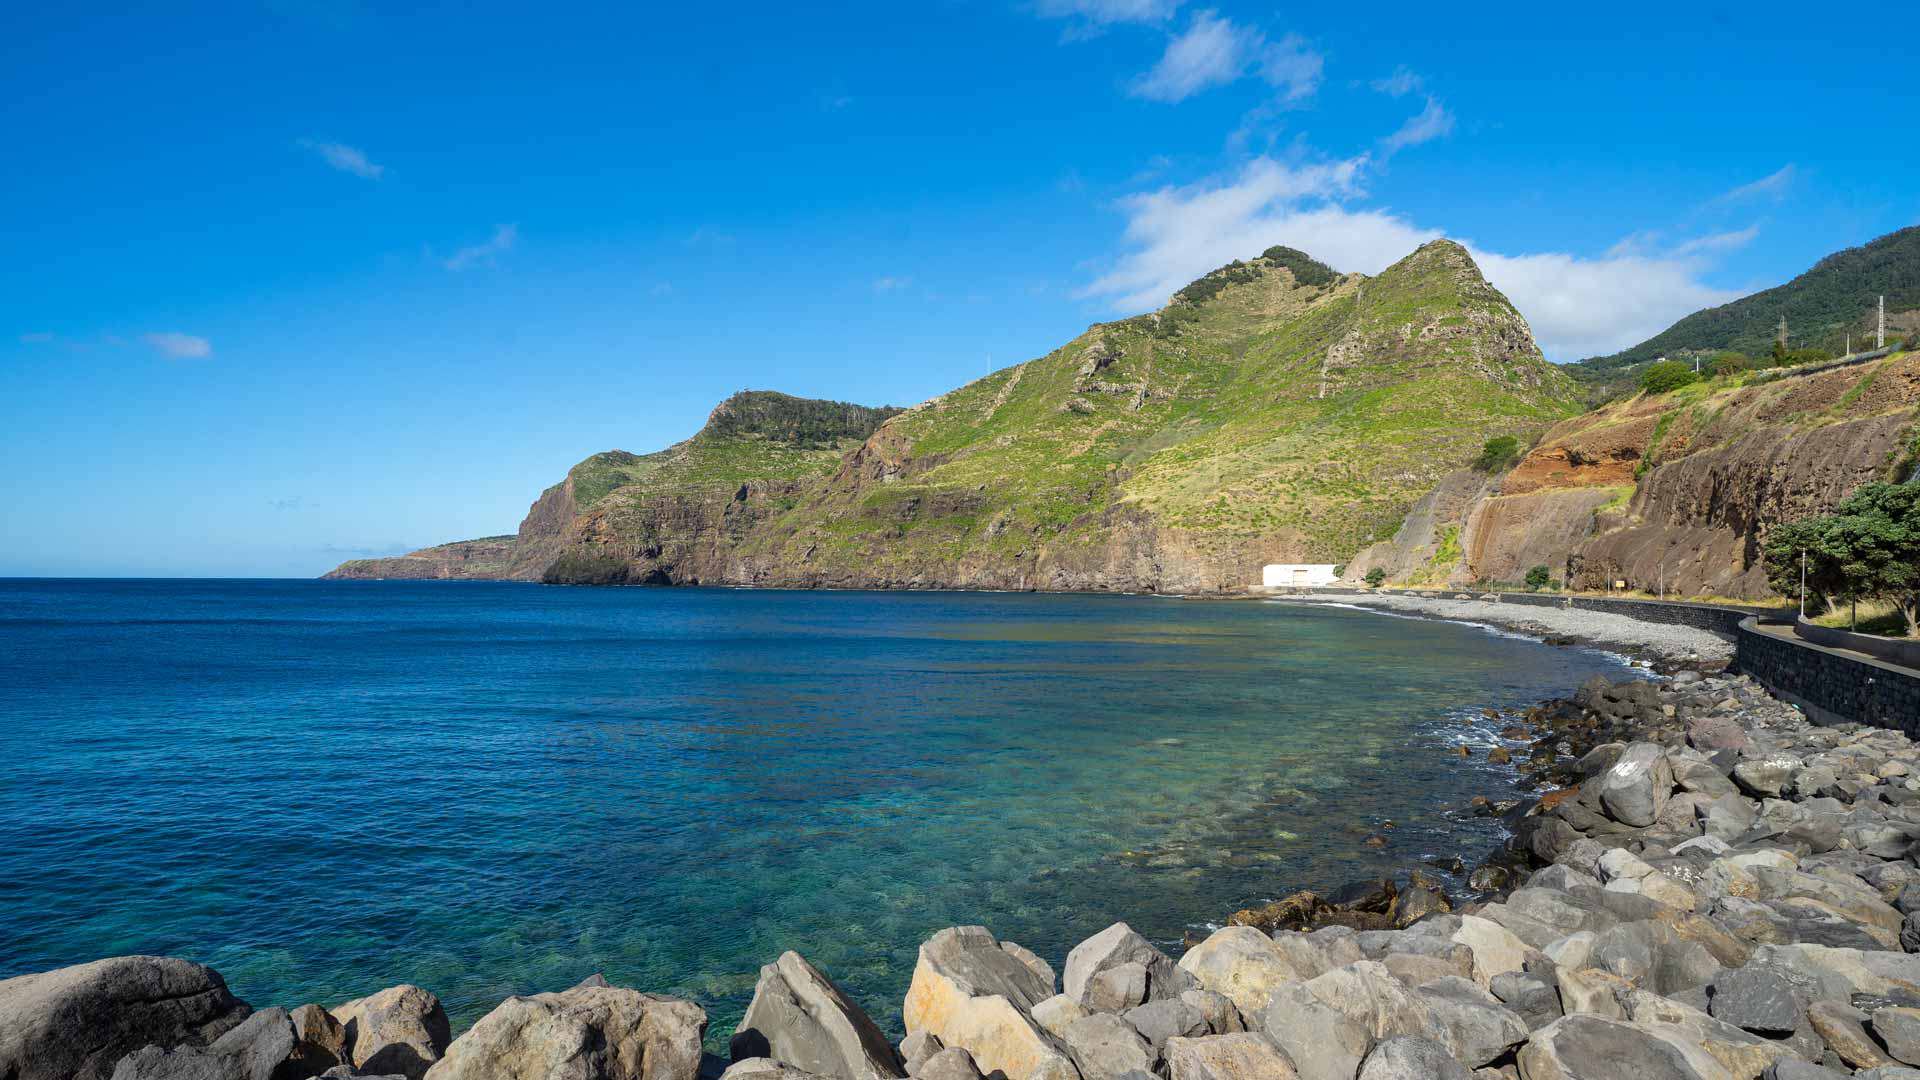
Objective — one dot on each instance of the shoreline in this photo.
(1607, 914)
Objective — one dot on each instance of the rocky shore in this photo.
(1706, 887)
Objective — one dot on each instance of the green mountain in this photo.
(1822, 307)
(1274, 411)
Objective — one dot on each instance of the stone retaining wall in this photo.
(1830, 686)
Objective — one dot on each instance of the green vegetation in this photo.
(1867, 549)
(1306, 269)
(1497, 454)
(1539, 577)
(1727, 364)
(1666, 377)
(1376, 577)
(802, 422)
(1821, 307)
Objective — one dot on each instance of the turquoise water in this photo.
(324, 788)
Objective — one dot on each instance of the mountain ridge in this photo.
(1274, 410)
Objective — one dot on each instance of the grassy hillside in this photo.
(1822, 306)
(1274, 408)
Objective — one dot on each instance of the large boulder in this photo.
(766, 1069)
(586, 1033)
(1410, 1057)
(76, 1023)
(1245, 1056)
(263, 1047)
(1475, 1027)
(971, 992)
(800, 1017)
(1117, 945)
(401, 1029)
(1586, 1047)
(1635, 789)
(1246, 965)
(1105, 1047)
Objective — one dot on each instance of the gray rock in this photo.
(1839, 1025)
(1756, 999)
(1800, 1070)
(800, 1017)
(952, 1063)
(972, 993)
(1245, 1056)
(76, 1023)
(765, 1069)
(1221, 1015)
(1054, 1014)
(1472, 1023)
(401, 1029)
(323, 1040)
(262, 1047)
(1532, 997)
(588, 1032)
(1106, 1047)
(1117, 945)
(1116, 989)
(1766, 777)
(1635, 789)
(1158, 1021)
(1586, 1047)
(1899, 1031)
(1410, 1057)
(1322, 1042)
(917, 1048)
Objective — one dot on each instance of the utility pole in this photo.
(1783, 332)
(1880, 334)
(1803, 584)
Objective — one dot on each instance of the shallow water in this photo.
(324, 788)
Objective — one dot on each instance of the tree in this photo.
(1376, 577)
(1539, 578)
(1878, 528)
(1666, 377)
(1728, 363)
(1812, 544)
(1497, 454)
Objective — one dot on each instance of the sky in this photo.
(286, 283)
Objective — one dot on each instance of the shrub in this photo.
(1666, 376)
(1376, 577)
(1539, 578)
(1797, 357)
(1497, 454)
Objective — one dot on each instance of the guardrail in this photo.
(1902, 651)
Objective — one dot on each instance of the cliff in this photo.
(1672, 492)
(1275, 410)
(487, 558)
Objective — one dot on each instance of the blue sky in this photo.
(287, 283)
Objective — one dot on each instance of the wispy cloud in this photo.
(1578, 306)
(1098, 14)
(344, 158)
(1718, 243)
(1433, 122)
(502, 241)
(179, 346)
(1772, 186)
(1213, 51)
(891, 284)
(1402, 82)
(37, 337)
(706, 236)
(290, 502)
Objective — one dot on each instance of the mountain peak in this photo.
(777, 417)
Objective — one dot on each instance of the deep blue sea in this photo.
(325, 788)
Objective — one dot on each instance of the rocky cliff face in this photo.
(1274, 411)
(485, 559)
(1672, 492)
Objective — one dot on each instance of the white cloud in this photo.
(1715, 243)
(1772, 186)
(1433, 122)
(502, 240)
(1577, 306)
(179, 346)
(891, 284)
(1213, 51)
(1106, 12)
(1402, 82)
(344, 158)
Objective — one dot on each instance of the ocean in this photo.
(325, 788)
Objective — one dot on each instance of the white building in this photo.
(1296, 575)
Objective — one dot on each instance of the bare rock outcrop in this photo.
(76, 1023)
